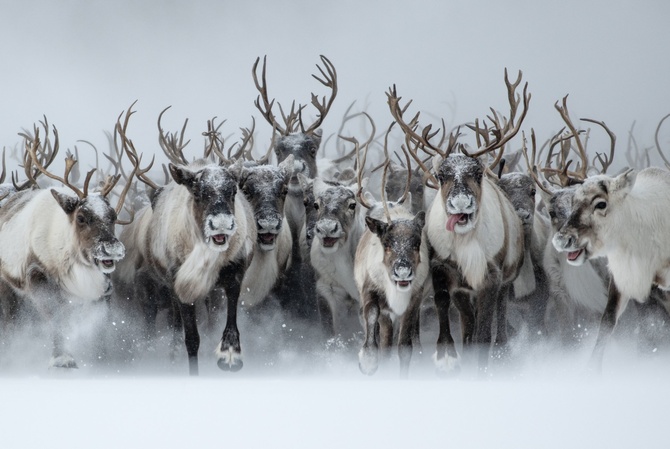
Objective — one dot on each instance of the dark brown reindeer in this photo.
(65, 245)
(293, 138)
(195, 238)
(479, 256)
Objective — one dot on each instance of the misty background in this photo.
(81, 63)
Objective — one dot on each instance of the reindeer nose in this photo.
(327, 227)
(460, 202)
(269, 224)
(402, 271)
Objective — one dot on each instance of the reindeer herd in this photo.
(356, 244)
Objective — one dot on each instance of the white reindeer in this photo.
(473, 229)
(59, 248)
(197, 235)
(622, 218)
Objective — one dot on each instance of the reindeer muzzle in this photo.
(106, 254)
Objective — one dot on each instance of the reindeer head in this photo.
(396, 184)
(303, 148)
(336, 208)
(460, 179)
(401, 243)
(592, 205)
(92, 220)
(213, 189)
(520, 189)
(265, 187)
(309, 202)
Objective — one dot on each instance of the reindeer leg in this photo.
(446, 358)
(616, 304)
(368, 356)
(487, 301)
(407, 334)
(191, 336)
(229, 352)
(145, 292)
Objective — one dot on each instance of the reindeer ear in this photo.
(237, 170)
(181, 175)
(623, 183)
(316, 136)
(67, 203)
(305, 182)
(376, 226)
(420, 219)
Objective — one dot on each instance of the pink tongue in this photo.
(453, 219)
(573, 255)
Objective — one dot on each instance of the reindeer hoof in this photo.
(368, 361)
(63, 361)
(447, 366)
(229, 360)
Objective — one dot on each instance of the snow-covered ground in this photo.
(296, 392)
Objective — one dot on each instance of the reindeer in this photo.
(577, 294)
(303, 143)
(337, 230)
(604, 209)
(531, 286)
(63, 247)
(265, 188)
(197, 236)
(481, 252)
(390, 269)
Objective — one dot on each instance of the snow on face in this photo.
(98, 205)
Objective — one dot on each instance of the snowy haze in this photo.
(81, 63)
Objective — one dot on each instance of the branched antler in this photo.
(329, 79)
(173, 144)
(502, 129)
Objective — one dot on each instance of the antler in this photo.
(46, 153)
(360, 167)
(605, 161)
(581, 149)
(531, 162)
(329, 79)
(131, 152)
(265, 109)
(656, 140)
(172, 144)
(32, 146)
(502, 129)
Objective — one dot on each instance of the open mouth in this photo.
(106, 264)
(219, 239)
(267, 238)
(403, 284)
(574, 255)
(457, 219)
(329, 242)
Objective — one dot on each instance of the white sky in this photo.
(81, 63)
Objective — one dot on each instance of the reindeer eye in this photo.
(352, 206)
(316, 206)
(81, 219)
(601, 205)
(533, 192)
